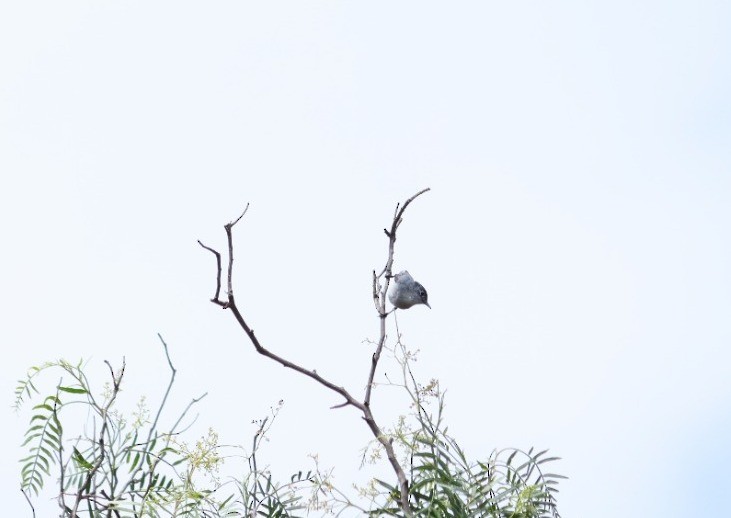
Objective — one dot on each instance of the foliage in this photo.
(444, 482)
(129, 467)
(118, 467)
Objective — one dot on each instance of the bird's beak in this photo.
(427, 305)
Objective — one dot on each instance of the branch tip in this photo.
(237, 219)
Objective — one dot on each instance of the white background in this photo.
(575, 244)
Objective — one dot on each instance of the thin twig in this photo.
(27, 499)
(218, 277)
(397, 220)
(256, 441)
(173, 372)
(228, 228)
(59, 452)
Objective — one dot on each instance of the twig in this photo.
(173, 372)
(27, 499)
(382, 290)
(61, 464)
(180, 419)
(397, 220)
(256, 441)
(218, 277)
(379, 296)
(231, 251)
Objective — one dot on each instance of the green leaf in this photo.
(73, 390)
(134, 462)
(81, 461)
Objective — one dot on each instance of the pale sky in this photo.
(575, 244)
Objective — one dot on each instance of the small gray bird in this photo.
(406, 292)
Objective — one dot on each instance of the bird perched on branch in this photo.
(406, 292)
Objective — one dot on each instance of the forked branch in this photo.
(380, 290)
(379, 296)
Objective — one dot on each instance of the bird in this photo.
(406, 292)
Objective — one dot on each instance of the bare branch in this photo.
(193, 401)
(241, 216)
(173, 372)
(215, 298)
(27, 499)
(379, 298)
(397, 220)
(230, 303)
(350, 400)
(380, 291)
(229, 228)
(379, 295)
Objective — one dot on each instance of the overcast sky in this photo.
(575, 244)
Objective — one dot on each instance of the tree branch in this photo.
(379, 296)
(230, 303)
(380, 291)
(218, 277)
